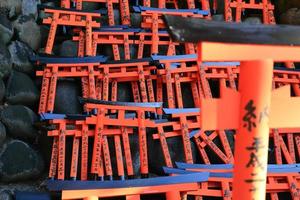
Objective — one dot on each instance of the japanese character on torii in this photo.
(255, 108)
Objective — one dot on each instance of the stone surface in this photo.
(28, 31)
(42, 14)
(29, 8)
(21, 90)
(219, 18)
(19, 121)
(2, 135)
(6, 30)
(187, 95)
(90, 6)
(136, 20)
(5, 61)
(6, 195)
(35, 185)
(124, 92)
(11, 7)
(66, 100)
(283, 5)
(2, 90)
(20, 54)
(68, 48)
(291, 16)
(18, 161)
(117, 19)
(45, 146)
(44, 35)
(252, 20)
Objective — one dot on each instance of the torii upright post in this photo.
(257, 47)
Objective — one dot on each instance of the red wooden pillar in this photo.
(251, 147)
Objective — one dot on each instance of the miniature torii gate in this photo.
(257, 47)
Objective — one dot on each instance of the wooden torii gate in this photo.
(254, 109)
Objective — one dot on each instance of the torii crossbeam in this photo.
(255, 108)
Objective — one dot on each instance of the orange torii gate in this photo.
(185, 123)
(152, 19)
(58, 67)
(249, 109)
(120, 108)
(81, 132)
(162, 4)
(123, 4)
(112, 119)
(100, 77)
(183, 120)
(281, 77)
(241, 5)
(69, 17)
(127, 38)
(268, 18)
(172, 71)
(280, 178)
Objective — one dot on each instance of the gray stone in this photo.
(219, 18)
(29, 8)
(45, 146)
(283, 5)
(90, 6)
(291, 16)
(20, 54)
(117, 20)
(11, 7)
(252, 20)
(6, 30)
(117, 17)
(19, 121)
(42, 13)
(28, 31)
(136, 20)
(187, 95)
(2, 135)
(44, 36)
(66, 100)
(69, 48)
(5, 61)
(35, 185)
(55, 50)
(124, 92)
(18, 161)
(5, 195)
(2, 90)
(21, 90)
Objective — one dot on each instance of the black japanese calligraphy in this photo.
(250, 116)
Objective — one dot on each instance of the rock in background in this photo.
(22, 166)
(20, 54)
(28, 31)
(5, 61)
(6, 29)
(18, 161)
(291, 16)
(20, 89)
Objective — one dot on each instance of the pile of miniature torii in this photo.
(165, 112)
